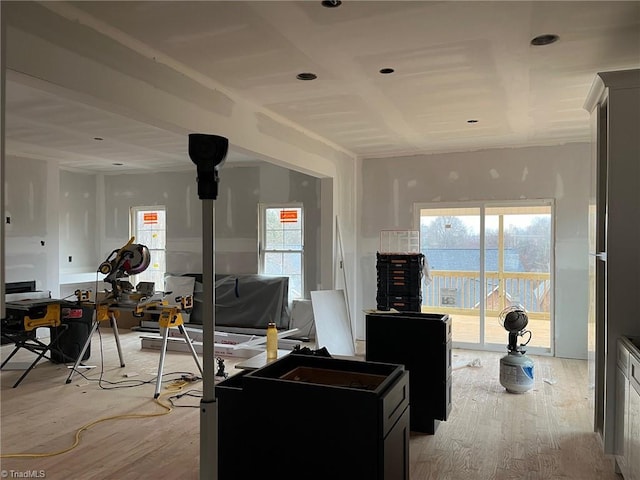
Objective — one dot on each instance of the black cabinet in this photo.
(422, 343)
(311, 417)
(234, 428)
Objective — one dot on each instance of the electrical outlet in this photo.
(8, 220)
(70, 258)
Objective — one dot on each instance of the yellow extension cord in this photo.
(173, 388)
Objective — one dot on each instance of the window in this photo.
(149, 227)
(281, 251)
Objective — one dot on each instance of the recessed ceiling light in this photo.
(546, 39)
(306, 76)
(386, 71)
(331, 3)
(98, 138)
(472, 120)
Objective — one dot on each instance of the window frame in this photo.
(133, 231)
(262, 242)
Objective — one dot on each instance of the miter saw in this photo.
(131, 259)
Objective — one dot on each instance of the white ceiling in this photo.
(454, 61)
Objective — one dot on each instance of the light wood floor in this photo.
(466, 329)
(545, 433)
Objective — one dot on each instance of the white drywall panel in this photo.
(78, 223)
(31, 238)
(333, 327)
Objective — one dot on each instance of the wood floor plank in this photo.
(545, 433)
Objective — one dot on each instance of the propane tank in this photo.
(516, 369)
(516, 372)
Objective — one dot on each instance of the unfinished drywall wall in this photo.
(78, 224)
(31, 222)
(177, 191)
(237, 218)
(241, 189)
(56, 214)
(390, 187)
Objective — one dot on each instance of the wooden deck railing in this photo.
(459, 292)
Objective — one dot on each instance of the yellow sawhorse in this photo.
(171, 317)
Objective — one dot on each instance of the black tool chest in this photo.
(399, 281)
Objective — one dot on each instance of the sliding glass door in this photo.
(484, 257)
(450, 240)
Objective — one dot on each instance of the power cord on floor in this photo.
(132, 382)
(188, 393)
(171, 390)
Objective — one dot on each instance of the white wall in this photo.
(390, 187)
(240, 191)
(77, 202)
(90, 215)
(30, 191)
(53, 217)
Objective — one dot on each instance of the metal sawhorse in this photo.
(101, 313)
(171, 317)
